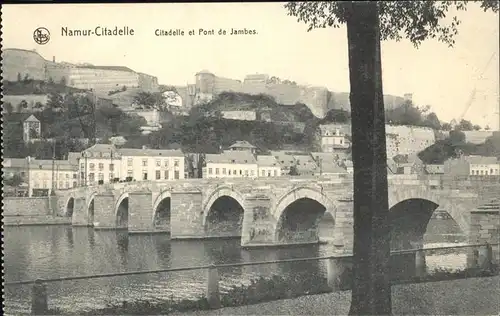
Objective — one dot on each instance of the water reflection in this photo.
(50, 252)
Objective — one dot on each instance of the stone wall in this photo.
(485, 228)
(34, 206)
(24, 62)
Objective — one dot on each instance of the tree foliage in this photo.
(369, 22)
(413, 20)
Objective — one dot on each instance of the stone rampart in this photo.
(23, 206)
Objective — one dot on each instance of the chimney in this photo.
(53, 59)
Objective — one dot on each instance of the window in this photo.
(158, 175)
(67, 175)
(216, 170)
(275, 173)
(176, 163)
(101, 176)
(74, 184)
(92, 166)
(229, 171)
(209, 170)
(166, 162)
(241, 172)
(91, 177)
(144, 162)
(176, 174)
(223, 170)
(111, 176)
(144, 175)
(246, 173)
(158, 162)
(111, 167)
(101, 166)
(66, 184)
(166, 175)
(82, 175)
(235, 172)
(129, 162)
(130, 173)
(82, 166)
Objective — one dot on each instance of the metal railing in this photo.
(483, 259)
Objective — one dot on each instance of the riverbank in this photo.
(35, 220)
(474, 296)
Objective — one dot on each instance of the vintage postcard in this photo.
(302, 158)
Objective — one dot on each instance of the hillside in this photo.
(236, 101)
(30, 86)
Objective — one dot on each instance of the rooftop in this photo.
(237, 157)
(116, 68)
(481, 160)
(267, 161)
(151, 152)
(242, 144)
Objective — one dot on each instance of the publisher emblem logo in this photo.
(41, 36)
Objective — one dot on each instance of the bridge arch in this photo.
(69, 206)
(162, 208)
(410, 210)
(289, 207)
(223, 213)
(122, 211)
(90, 208)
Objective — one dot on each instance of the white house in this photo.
(268, 166)
(45, 175)
(99, 163)
(472, 165)
(230, 164)
(151, 164)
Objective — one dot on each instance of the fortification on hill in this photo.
(319, 99)
(98, 78)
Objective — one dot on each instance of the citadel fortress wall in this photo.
(101, 79)
(319, 99)
(207, 85)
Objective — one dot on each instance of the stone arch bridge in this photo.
(262, 211)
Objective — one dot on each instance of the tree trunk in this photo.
(371, 292)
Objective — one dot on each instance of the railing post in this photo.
(485, 257)
(39, 301)
(213, 295)
(420, 264)
(335, 268)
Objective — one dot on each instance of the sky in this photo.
(435, 74)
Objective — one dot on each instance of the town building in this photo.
(243, 145)
(434, 169)
(333, 137)
(285, 160)
(151, 164)
(306, 165)
(268, 166)
(99, 164)
(230, 164)
(239, 115)
(104, 163)
(32, 129)
(472, 165)
(328, 163)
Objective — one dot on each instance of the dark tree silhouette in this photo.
(367, 23)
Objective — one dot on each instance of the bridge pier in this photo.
(140, 213)
(104, 211)
(485, 228)
(186, 215)
(258, 223)
(80, 213)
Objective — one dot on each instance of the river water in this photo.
(32, 252)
